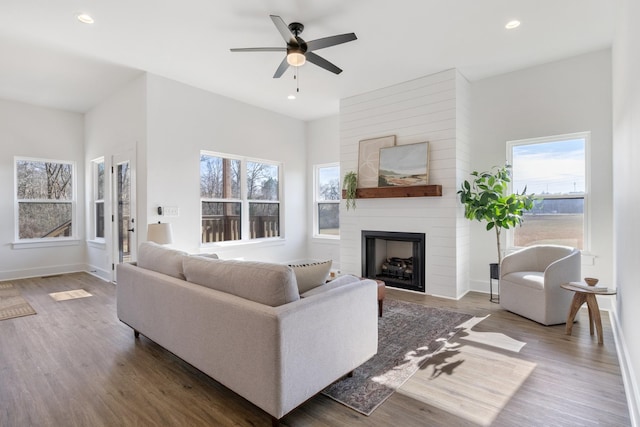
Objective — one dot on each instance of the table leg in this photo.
(576, 303)
(594, 311)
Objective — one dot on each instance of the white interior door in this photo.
(124, 221)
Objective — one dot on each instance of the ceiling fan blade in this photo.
(321, 62)
(258, 49)
(287, 35)
(281, 68)
(330, 41)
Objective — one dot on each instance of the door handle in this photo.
(131, 230)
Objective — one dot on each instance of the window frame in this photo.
(316, 201)
(585, 196)
(95, 200)
(244, 201)
(45, 241)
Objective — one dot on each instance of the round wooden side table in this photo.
(584, 294)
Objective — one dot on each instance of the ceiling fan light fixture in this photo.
(295, 58)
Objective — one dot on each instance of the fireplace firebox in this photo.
(397, 258)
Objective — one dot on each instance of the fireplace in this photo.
(397, 258)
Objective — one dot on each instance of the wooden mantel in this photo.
(388, 192)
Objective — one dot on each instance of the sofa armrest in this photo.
(564, 270)
(324, 337)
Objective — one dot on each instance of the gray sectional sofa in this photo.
(246, 325)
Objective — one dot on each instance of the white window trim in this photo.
(586, 230)
(244, 201)
(47, 241)
(98, 241)
(315, 225)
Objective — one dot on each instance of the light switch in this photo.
(171, 211)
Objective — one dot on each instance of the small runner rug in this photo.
(12, 304)
(408, 335)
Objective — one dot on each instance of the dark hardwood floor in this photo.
(75, 364)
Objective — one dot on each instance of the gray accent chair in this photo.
(530, 282)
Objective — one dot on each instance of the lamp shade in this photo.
(295, 57)
(160, 233)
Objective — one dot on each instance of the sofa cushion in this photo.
(531, 279)
(311, 275)
(153, 256)
(265, 283)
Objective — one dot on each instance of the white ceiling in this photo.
(49, 58)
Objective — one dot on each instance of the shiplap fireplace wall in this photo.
(434, 108)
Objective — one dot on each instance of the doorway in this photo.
(124, 202)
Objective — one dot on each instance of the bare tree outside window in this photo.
(98, 170)
(219, 177)
(219, 195)
(263, 185)
(240, 199)
(262, 181)
(327, 200)
(45, 198)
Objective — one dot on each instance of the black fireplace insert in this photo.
(397, 258)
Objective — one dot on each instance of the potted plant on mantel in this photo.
(350, 185)
(485, 198)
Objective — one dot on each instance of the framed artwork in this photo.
(369, 159)
(404, 165)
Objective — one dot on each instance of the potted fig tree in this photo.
(485, 198)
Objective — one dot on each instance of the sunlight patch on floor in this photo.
(67, 295)
(469, 379)
(493, 339)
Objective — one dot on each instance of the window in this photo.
(240, 198)
(554, 169)
(326, 192)
(45, 199)
(98, 198)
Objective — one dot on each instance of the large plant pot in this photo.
(494, 274)
(494, 270)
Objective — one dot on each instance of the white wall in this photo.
(115, 126)
(181, 121)
(27, 130)
(419, 110)
(323, 146)
(562, 97)
(626, 176)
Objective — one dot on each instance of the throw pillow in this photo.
(214, 256)
(153, 256)
(262, 282)
(311, 275)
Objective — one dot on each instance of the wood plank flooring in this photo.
(75, 364)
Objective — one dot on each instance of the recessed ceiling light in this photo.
(291, 97)
(512, 24)
(85, 18)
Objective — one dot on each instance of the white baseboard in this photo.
(482, 286)
(100, 273)
(41, 271)
(631, 387)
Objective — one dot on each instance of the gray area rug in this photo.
(408, 335)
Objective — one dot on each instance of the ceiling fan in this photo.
(299, 51)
